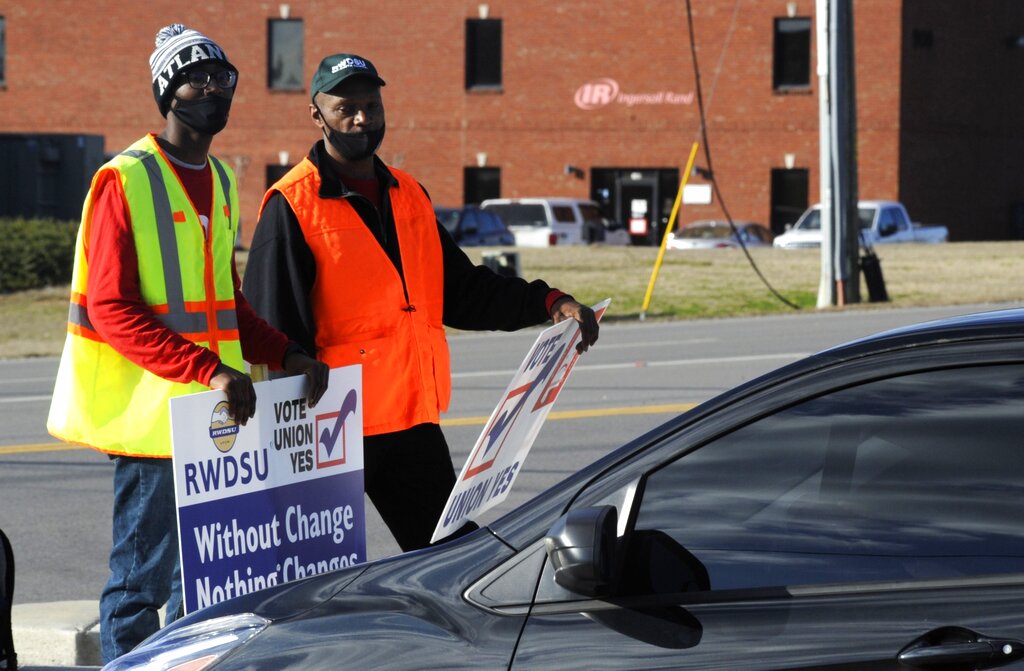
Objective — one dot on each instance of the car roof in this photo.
(864, 203)
(992, 325)
(720, 222)
(556, 200)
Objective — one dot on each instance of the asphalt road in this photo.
(55, 499)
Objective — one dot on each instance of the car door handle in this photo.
(957, 647)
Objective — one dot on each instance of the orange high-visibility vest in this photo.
(103, 400)
(363, 312)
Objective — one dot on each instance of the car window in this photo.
(591, 214)
(884, 220)
(890, 216)
(470, 222)
(758, 233)
(519, 214)
(448, 218)
(563, 213)
(489, 224)
(906, 478)
(705, 232)
(811, 222)
(866, 215)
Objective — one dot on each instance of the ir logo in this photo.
(597, 93)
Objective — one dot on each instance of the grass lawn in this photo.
(690, 284)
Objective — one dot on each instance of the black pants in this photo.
(408, 476)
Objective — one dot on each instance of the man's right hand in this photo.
(238, 387)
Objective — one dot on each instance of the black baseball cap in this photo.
(337, 68)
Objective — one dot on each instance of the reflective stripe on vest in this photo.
(175, 313)
(102, 399)
(364, 313)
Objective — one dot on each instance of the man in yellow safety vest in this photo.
(156, 312)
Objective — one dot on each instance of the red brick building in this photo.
(589, 99)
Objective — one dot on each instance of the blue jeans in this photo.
(144, 572)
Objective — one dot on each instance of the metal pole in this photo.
(668, 230)
(826, 286)
(844, 153)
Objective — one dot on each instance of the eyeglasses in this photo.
(200, 79)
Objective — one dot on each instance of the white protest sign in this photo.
(278, 499)
(496, 459)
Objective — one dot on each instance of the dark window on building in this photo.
(276, 172)
(3, 50)
(922, 39)
(789, 197)
(792, 68)
(479, 184)
(483, 53)
(284, 55)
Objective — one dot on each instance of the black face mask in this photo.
(208, 114)
(355, 146)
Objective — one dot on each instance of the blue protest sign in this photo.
(278, 499)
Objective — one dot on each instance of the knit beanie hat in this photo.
(177, 50)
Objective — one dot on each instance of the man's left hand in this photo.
(316, 372)
(566, 308)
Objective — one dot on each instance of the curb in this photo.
(64, 634)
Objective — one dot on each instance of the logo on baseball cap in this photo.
(337, 68)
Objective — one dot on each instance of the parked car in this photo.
(716, 234)
(545, 222)
(881, 222)
(862, 508)
(472, 227)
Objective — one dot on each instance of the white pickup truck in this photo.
(881, 222)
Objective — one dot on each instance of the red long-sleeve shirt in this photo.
(126, 323)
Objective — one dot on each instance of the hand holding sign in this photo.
(566, 308)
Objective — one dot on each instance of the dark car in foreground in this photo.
(860, 509)
(473, 227)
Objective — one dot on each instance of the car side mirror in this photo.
(888, 228)
(788, 228)
(581, 548)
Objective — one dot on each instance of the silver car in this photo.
(717, 234)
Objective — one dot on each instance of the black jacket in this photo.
(280, 272)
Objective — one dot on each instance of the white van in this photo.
(544, 222)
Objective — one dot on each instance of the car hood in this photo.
(798, 238)
(403, 612)
(382, 584)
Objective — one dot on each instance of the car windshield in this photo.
(812, 222)
(519, 214)
(591, 214)
(448, 218)
(705, 232)
(866, 216)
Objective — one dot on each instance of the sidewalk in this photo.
(59, 635)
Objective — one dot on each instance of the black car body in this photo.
(860, 509)
(472, 227)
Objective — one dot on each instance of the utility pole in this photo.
(837, 113)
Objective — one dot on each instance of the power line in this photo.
(710, 168)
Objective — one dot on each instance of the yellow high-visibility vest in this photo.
(103, 400)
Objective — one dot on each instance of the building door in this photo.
(638, 208)
(789, 197)
(643, 196)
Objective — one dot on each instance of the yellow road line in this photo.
(454, 421)
(40, 447)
